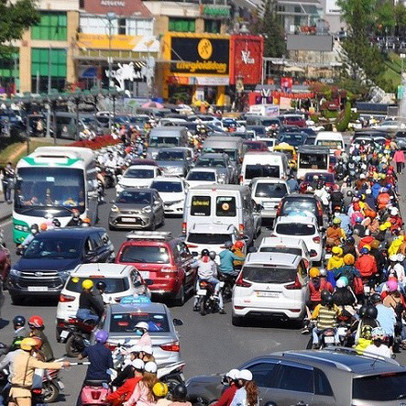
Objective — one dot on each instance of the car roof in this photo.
(68, 232)
(299, 196)
(168, 179)
(267, 180)
(203, 169)
(139, 189)
(220, 228)
(212, 155)
(105, 269)
(152, 307)
(174, 149)
(296, 219)
(142, 167)
(279, 240)
(272, 258)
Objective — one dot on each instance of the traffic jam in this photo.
(242, 220)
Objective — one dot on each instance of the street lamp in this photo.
(111, 16)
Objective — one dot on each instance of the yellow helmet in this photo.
(160, 389)
(28, 344)
(87, 284)
(336, 250)
(349, 259)
(314, 272)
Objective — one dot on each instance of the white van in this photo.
(263, 165)
(312, 158)
(332, 140)
(222, 204)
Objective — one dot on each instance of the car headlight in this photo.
(146, 209)
(115, 209)
(15, 272)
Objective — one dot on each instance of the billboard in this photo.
(246, 52)
(318, 43)
(199, 54)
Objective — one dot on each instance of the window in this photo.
(271, 190)
(213, 26)
(262, 374)
(201, 206)
(258, 171)
(126, 322)
(122, 26)
(182, 25)
(9, 66)
(213, 239)
(139, 26)
(268, 274)
(226, 207)
(296, 229)
(153, 254)
(113, 285)
(295, 379)
(322, 385)
(52, 26)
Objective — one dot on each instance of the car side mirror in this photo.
(90, 254)
(177, 322)
(252, 249)
(137, 284)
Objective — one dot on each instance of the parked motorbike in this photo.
(76, 336)
(206, 301)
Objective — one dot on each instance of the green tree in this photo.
(15, 18)
(399, 14)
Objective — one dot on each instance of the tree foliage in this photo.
(15, 18)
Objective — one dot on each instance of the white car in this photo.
(121, 281)
(202, 176)
(211, 236)
(138, 176)
(172, 191)
(270, 284)
(301, 227)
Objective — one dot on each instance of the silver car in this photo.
(173, 161)
(120, 320)
(137, 209)
(222, 163)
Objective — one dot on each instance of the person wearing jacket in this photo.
(89, 307)
(227, 396)
(336, 261)
(348, 270)
(366, 264)
(399, 159)
(36, 325)
(227, 258)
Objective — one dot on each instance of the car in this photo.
(308, 180)
(330, 377)
(211, 236)
(293, 119)
(173, 192)
(173, 161)
(400, 139)
(121, 281)
(163, 259)
(295, 139)
(270, 142)
(301, 227)
(227, 172)
(259, 130)
(138, 176)
(270, 285)
(268, 192)
(392, 125)
(202, 176)
(120, 320)
(137, 209)
(50, 258)
(257, 146)
(301, 203)
(5, 264)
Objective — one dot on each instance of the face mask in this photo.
(138, 332)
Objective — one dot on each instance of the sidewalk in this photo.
(6, 210)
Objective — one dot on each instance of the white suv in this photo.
(270, 284)
(120, 280)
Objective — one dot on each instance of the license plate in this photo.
(201, 292)
(37, 288)
(144, 274)
(342, 331)
(128, 220)
(64, 334)
(268, 294)
(329, 340)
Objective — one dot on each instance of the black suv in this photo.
(52, 255)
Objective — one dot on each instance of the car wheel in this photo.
(236, 320)
(181, 296)
(16, 300)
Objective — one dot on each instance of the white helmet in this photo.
(151, 367)
(323, 272)
(135, 348)
(138, 364)
(245, 374)
(233, 374)
(147, 349)
(394, 211)
(142, 325)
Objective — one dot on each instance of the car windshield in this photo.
(296, 206)
(215, 239)
(167, 187)
(170, 156)
(268, 274)
(313, 161)
(139, 173)
(210, 162)
(282, 250)
(268, 123)
(271, 190)
(56, 247)
(204, 176)
(325, 177)
(380, 388)
(113, 285)
(295, 229)
(261, 171)
(155, 141)
(126, 322)
(292, 139)
(253, 146)
(134, 197)
(154, 254)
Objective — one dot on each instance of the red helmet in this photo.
(239, 245)
(36, 321)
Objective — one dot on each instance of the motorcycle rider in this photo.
(141, 330)
(237, 250)
(336, 261)
(207, 270)
(98, 293)
(89, 307)
(227, 258)
(160, 391)
(75, 221)
(343, 295)
(366, 264)
(325, 314)
(335, 233)
(179, 396)
(386, 317)
(228, 395)
(20, 332)
(24, 366)
(36, 325)
(347, 270)
(34, 230)
(379, 347)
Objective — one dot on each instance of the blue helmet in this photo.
(102, 336)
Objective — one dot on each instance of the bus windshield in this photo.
(313, 161)
(45, 187)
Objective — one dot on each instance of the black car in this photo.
(52, 255)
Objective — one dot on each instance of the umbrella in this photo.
(153, 105)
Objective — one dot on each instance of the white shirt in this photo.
(379, 352)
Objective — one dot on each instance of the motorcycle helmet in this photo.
(205, 253)
(363, 250)
(336, 221)
(366, 332)
(87, 284)
(376, 298)
(361, 311)
(38, 342)
(228, 244)
(142, 325)
(349, 259)
(350, 240)
(151, 367)
(138, 364)
(212, 255)
(160, 389)
(36, 322)
(323, 272)
(392, 285)
(147, 349)
(101, 286)
(245, 375)
(239, 244)
(102, 336)
(314, 272)
(371, 312)
(232, 374)
(358, 219)
(336, 250)
(378, 333)
(28, 344)
(19, 321)
(327, 300)
(179, 393)
(342, 282)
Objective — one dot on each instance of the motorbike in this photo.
(51, 385)
(227, 283)
(326, 339)
(100, 191)
(76, 336)
(109, 177)
(171, 374)
(95, 392)
(206, 301)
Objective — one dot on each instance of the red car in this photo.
(257, 146)
(294, 119)
(327, 178)
(163, 259)
(5, 264)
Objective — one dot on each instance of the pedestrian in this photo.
(399, 159)
(8, 181)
